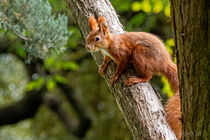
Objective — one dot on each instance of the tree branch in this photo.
(23, 109)
(18, 34)
(55, 105)
(84, 119)
(71, 97)
(139, 103)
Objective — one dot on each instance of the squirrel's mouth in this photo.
(91, 48)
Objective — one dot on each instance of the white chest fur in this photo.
(105, 52)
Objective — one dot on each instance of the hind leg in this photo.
(143, 65)
(134, 79)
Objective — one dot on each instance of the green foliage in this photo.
(136, 6)
(169, 45)
(60, 79)
(146, 6)
(167, 10)
(32, 21)
(51, 84)
(75, 37)
(142, 15)
(166, 87)
(36, 84)
(59, 64)
(53, 80)
(151, 6)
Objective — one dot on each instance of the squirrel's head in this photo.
(98, 38)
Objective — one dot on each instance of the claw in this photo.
(113, 80)
(101, 70)
(128, 83)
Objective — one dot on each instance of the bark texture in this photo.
(190, 19)
(139, 104)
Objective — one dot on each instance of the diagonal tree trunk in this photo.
(191, 21)
(139, 103)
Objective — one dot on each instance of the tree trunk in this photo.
(190, 22)
(139, 104)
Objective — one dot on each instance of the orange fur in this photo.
(148, 55)
(173, 110)
(93, 23)
(101, 20)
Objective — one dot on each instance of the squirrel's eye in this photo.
(97, 38)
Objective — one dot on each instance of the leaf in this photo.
(170, 42)
(146, 6)
(36, 84)
(70, 65)
(158, 7)
(166, 87)
(136, 6)
(60, 79)
(169, 45)
(51, 84)
(138, 19)
(20, 50)
(49, 62)
(167, 10)
(123, 7)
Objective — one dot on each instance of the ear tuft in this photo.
(103, 26)
(93, 23)
(101, 19)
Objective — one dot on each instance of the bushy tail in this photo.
(173, 112)
(173, 105)
(170, 72)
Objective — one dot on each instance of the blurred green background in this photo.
(71, 66)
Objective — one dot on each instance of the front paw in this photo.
(129, 82)
(101, 70)
(113, 80)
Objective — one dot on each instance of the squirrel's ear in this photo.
(93, 23)
(103, 26)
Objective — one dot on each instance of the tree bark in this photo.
(191, 30)
(139, 104)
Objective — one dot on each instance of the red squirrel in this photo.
(148, 55)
